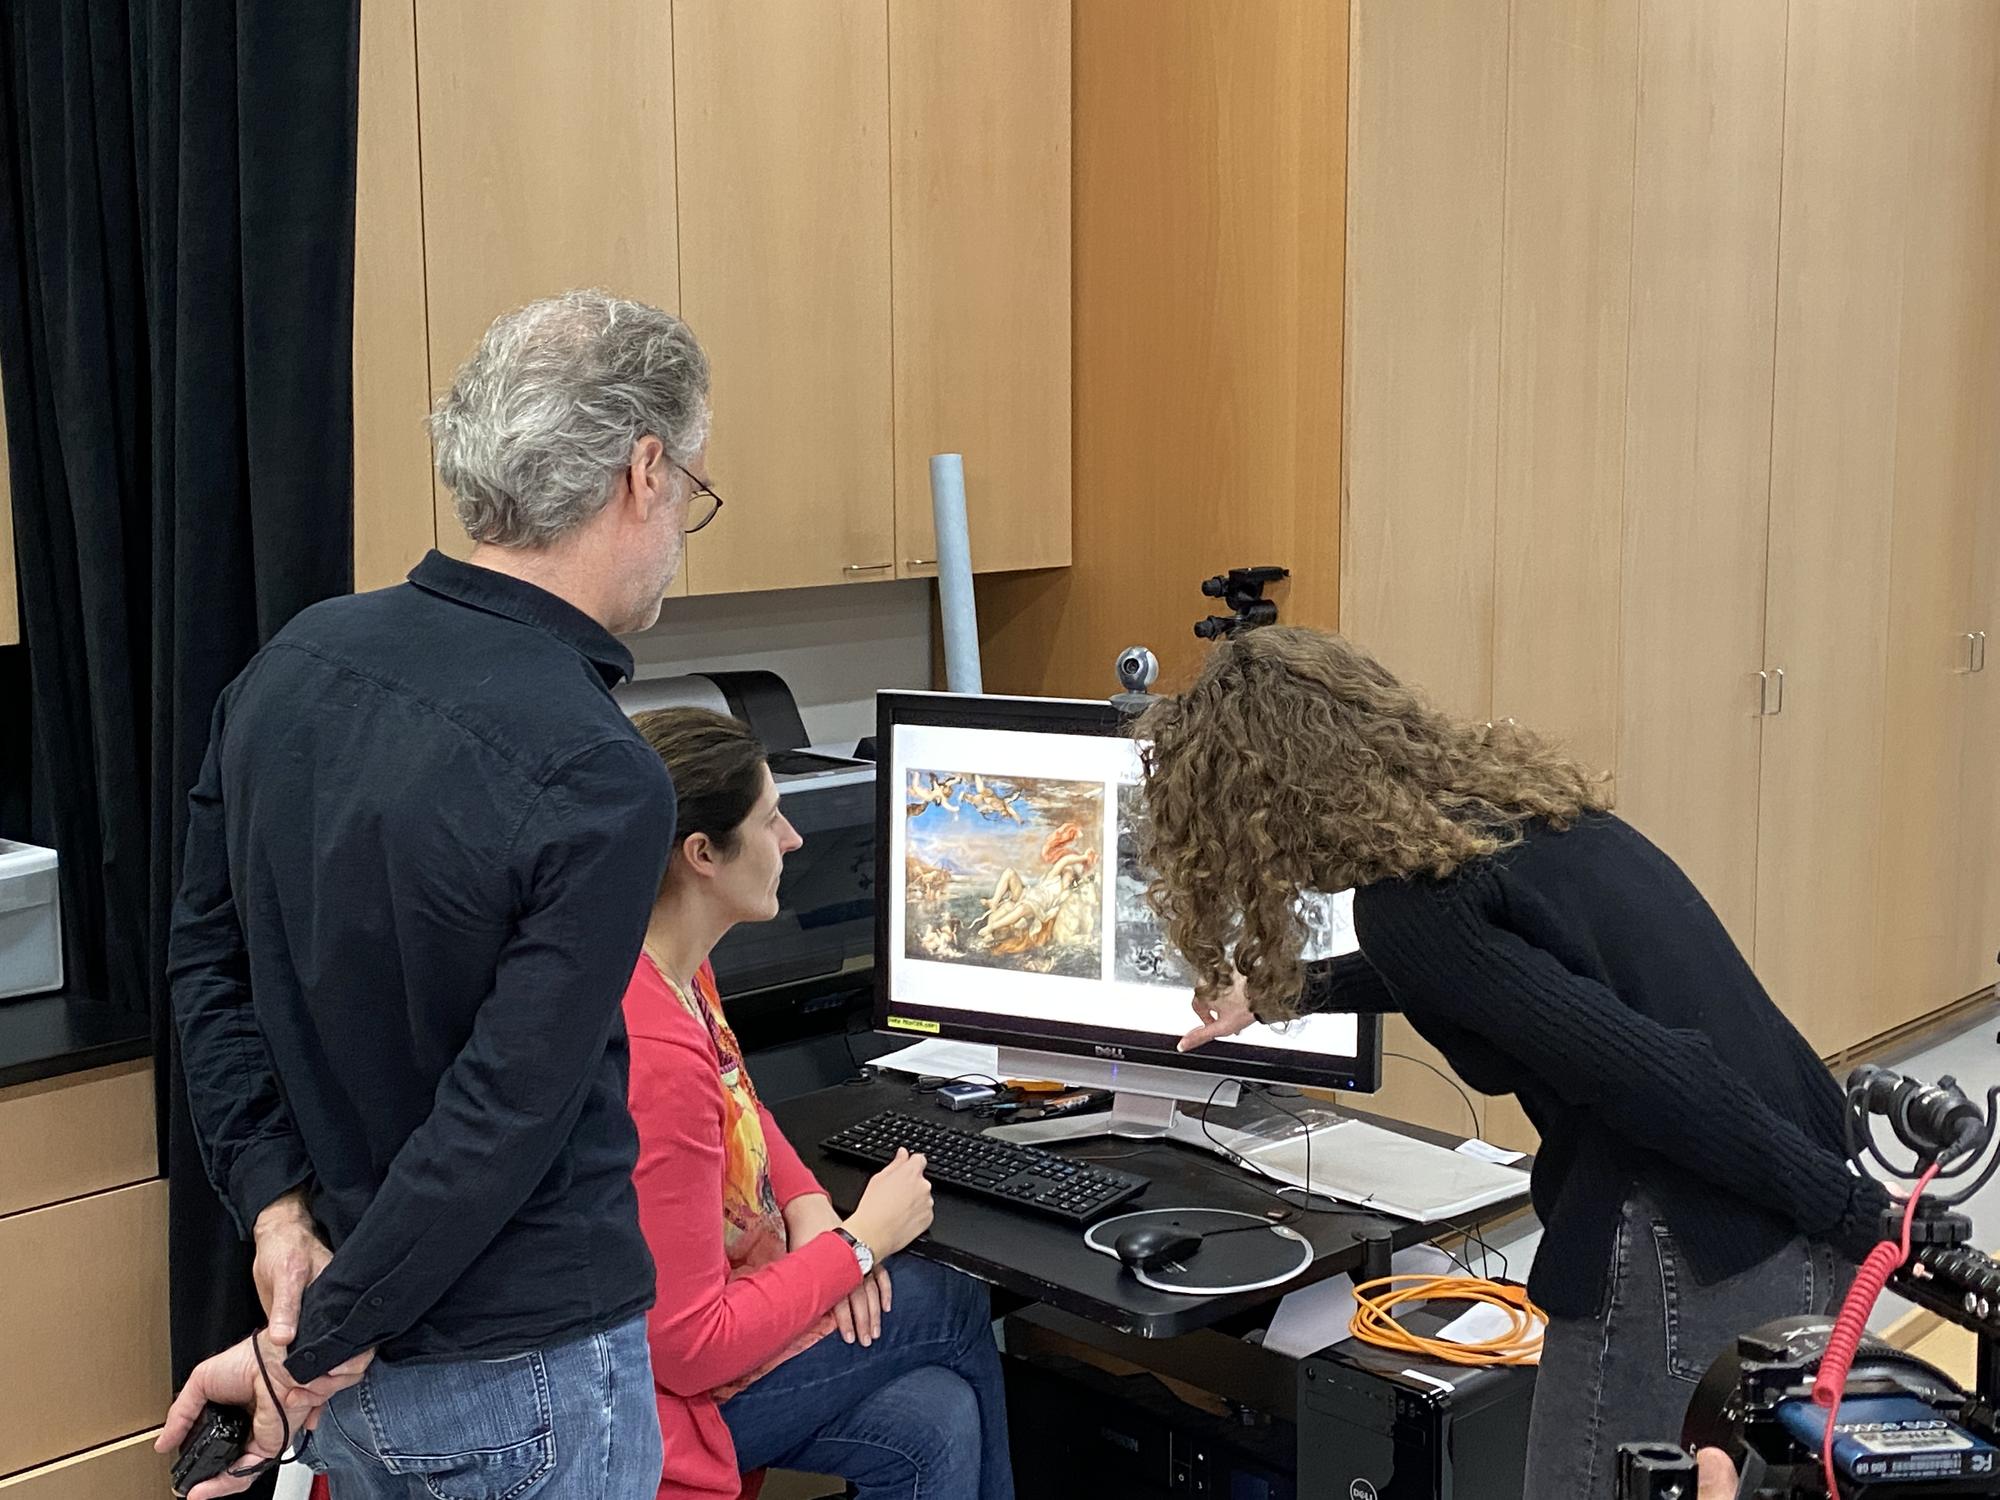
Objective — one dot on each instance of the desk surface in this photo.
(50, 1036)
(1046, 1260)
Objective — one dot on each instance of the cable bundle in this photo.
(1375, 1320)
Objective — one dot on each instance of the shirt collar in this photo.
(511, 598)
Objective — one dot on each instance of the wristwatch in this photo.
(861, 1252)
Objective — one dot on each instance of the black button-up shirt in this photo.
(420, 860)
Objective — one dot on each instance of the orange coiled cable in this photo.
(1375, 1322)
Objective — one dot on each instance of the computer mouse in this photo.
(1153, 1245)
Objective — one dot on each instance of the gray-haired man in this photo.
(420, 859)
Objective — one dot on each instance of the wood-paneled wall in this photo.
(394, 521)
(1209, 200)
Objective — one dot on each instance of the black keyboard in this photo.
(1025, 1176)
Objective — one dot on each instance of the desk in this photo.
(1044, 1260)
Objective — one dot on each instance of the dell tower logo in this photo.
(1361, 1489)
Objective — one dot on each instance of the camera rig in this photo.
(1242, 589)
(1899, 1426)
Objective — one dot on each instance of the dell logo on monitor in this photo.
(1116, 1054)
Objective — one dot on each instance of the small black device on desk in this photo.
(1376, 1422)
(1023, 1176)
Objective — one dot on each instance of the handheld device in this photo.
(220, 1434)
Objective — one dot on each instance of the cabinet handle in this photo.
(920, 562)
(868, 567)
(1980, 636)
(1971, 654)
(1766, 679)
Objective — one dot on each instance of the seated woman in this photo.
(755, 1267)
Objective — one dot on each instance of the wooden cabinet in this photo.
(1833, 471)
(547, 142)
(395, 522)
(782, 113)
(1565, 274)
(1209, 158)
(1697, 424)
(125, 1470)
(85, 1277)
(878, 272)
(1946, 399)
(1426, 170)
(979, 190)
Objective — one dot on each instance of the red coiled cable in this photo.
(1831, 1382)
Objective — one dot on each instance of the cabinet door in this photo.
(548, 164)
(84, 1303)
(979, 188)
(1976, 937)
(395, 521)
(1427, 123)
(1945, 402)
(783, 111)
(1426, 166)
(1566, 276)
(1698, 437)
(1833, 470)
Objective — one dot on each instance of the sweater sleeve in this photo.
(790, 1177)
(1661, 1088)
(1348, 985)
(707, 1328)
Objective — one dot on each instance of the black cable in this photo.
(1475, 1233)
(251, 1471)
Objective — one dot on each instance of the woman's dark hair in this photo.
(718, 770)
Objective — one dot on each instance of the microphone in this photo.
(1932, 1119)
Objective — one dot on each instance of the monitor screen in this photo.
(1011, 907)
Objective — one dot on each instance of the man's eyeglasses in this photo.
(704, 505)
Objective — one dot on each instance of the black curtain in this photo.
(176, 299)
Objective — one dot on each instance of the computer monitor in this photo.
(1010, 909)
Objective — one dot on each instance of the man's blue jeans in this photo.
(920, 1414)
(575, 1421)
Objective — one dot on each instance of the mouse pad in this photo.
(1245, 1261)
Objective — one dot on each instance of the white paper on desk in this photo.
(1487, 1151)
(1479, 1324)
(1313, 1317)
(936, 1059)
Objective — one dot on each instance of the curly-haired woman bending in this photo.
(1691, 1179)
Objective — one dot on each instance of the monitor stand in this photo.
(1145, 1099)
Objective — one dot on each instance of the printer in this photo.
(797, 984)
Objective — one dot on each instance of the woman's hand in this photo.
(1222, 1015)
(895, 1207)
(858, 1315)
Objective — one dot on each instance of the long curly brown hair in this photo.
(1297, 762)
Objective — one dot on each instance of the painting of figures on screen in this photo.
(1141, 953)
(1004, 872)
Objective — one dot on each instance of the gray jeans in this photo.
(1627, 1376)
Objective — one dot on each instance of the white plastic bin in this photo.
(31, 959)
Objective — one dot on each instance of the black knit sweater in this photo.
(1583, 972)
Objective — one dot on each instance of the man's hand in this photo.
(290, 1255)
(1718, 1475)
(1221, 1015)
(858, 1315)
(231, 1378)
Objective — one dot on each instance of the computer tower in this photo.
(1374, 1425)
(1084, 1433)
